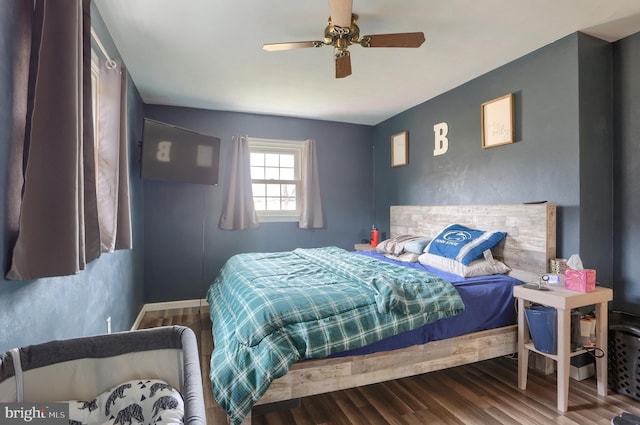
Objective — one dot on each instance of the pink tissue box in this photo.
(580, 280)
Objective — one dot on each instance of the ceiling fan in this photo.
(342, 31)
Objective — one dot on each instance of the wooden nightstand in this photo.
(563, 300)
(363, 247)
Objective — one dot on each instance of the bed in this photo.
(155, 362)
(526, 249)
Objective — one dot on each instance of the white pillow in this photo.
(482, 267)
(407, 257)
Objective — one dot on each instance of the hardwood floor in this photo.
(480, 393)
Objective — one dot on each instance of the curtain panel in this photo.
(311, 216)
(59, 225)
(238, 212)
(112, 184)
(124, 232)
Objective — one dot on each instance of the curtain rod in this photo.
(111, 64)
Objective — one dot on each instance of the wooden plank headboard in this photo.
(531, 230)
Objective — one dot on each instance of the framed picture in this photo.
(400, 149)
(498, 125)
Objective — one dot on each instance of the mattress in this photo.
(488, 301)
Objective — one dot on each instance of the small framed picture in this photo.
(498, 125)
(400, 149)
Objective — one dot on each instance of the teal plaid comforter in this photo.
(270, 310)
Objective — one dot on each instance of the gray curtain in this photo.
(114, 210)
(238, 212)
(18, 95)
(124, 233)
(58, 228)
(311, 216)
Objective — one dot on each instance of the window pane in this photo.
(287, 161)
(288, 190)
(272, 160)
(272, 173)
(287, 174)
(273, 204)
(94, 100)
(259, 203)
(257, 173)
(258, 189)
(257, 159)
(273, 190)
(288, 204)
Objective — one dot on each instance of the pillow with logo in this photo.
(463, 244)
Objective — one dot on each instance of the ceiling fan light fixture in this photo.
(342, 43)
(333, 34)
(343, 36)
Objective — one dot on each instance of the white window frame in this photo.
(295, 147)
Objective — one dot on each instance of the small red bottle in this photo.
(374, 236)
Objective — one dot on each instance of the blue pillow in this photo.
(462, 243)
(416, 246)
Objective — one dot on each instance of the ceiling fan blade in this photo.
(405, 39)
(343, 64)
(274, 47)
(340, 12)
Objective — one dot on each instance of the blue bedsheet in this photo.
(488, 301)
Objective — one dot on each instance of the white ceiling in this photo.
(208, 53)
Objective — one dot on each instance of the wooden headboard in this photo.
(531, 230)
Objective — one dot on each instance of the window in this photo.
(276, 173)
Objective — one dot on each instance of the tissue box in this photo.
(580, 280)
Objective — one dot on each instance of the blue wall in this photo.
(563, 152)
(627, 174)
(176, 213)
(542, 164)
(596, 147)
(44, 309)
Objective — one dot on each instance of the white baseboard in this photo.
(168, 305)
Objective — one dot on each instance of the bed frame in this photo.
(527, 248)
